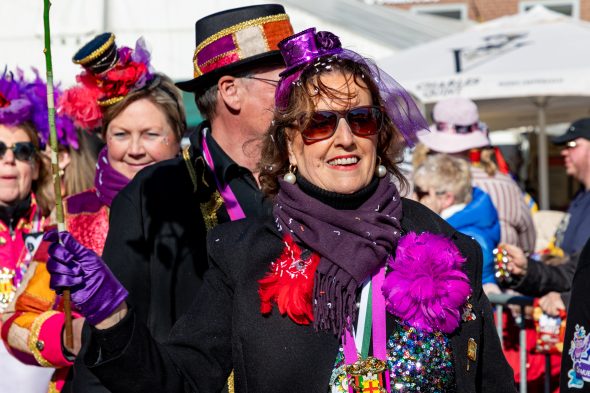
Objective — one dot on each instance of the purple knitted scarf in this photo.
(352, 244)
(108, 181)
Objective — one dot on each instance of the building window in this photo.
(453, 11)
(566, 7)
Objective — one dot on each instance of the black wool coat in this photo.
(156, 246)
(224, 328)
(578, 317)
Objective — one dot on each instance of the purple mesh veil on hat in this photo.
(23, 101)
(310, 49)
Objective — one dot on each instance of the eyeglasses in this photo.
(362, 120)
(457, 129)
(23, 151)
(265, 80)
(571, 145)
(421, 193)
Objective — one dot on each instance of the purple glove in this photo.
(95, 291)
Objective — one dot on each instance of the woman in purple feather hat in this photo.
(23, 206)
(373, 292)
(140, 116)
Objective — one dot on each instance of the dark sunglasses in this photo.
(571, 145)
(362, 120)
(441, 126)
(23, 151)
(421, 193)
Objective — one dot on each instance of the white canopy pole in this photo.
(541, 103)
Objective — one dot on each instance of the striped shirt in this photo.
(516, 222)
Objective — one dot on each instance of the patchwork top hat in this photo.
(456, 127)
(237, 40)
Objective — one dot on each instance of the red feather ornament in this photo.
(289, 284)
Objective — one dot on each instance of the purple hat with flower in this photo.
(316, 51)
(22, 101)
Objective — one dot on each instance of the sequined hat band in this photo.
(238, 42)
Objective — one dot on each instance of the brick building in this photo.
(484, 10)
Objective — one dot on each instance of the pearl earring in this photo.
(380, 171)
(290, 175)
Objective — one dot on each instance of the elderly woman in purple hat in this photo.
(373, 292)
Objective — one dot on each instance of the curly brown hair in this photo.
(303, 99)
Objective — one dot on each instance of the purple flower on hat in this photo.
(327, 40)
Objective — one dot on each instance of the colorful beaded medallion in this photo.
(417, 361)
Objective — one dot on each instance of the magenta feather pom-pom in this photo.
(426, 286)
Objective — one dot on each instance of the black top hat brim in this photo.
(203, 82)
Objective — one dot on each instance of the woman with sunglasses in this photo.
(373, 291)
(24, 204)
(141, 119)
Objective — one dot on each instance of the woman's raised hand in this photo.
(95, 291)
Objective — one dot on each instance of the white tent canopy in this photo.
(538, 53)
(168, 27)
(525, 69)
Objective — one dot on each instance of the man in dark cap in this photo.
(572, 234)
(156, 242)
(576, 153)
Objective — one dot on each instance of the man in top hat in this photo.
(156, 243)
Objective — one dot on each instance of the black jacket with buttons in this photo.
(224, 328)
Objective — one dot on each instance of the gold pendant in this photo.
(366, 375)
(7, 289)
(471, 351)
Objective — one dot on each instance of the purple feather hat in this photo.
(15, 107)
(22, 101)
(36, 91)
(310, 50)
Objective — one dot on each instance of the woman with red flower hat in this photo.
(140, 116)
(374, 292)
